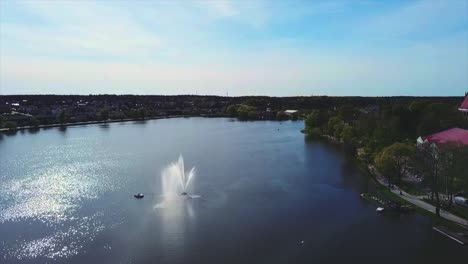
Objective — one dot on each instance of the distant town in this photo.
(33, 111)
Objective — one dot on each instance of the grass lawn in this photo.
(412, 188)
(383, 190)
(455, 209)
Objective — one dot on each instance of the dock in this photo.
(459, 237)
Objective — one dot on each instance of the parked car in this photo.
(459, 200)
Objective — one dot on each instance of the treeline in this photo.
(246, 112)
(259, 102)
(386, 137)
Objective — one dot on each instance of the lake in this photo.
(66, 196)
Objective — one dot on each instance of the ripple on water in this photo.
(52, 196)
(61, 244)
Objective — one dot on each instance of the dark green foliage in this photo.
(335, 125)
(245, 112)
(232, 110)
(438, 116)
(103, 114)
(34, 122)
(453, 169)
(10, 125)
(281, 116)
(316, 119)
(394, 161)
(348, 112)
(348, 135)
(62, 117)
(139, 113)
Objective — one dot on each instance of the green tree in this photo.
(246, 112)
(437, 117)
(34, 122)
(232, 110)
(418, 106)
(348, 135)
(366, 124)
(429, 164)
(281, 116)
(394, 161)
(10, 125)
(103, 114)
(335, 123)
(348, 112)
(62, 117)
(142, 113)
(454, 167)
(316, 119)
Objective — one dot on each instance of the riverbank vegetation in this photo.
(385, 136)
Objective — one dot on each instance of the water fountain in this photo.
(175, 180)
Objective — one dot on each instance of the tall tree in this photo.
(316, 119)
(103, 114)
(394, 161)
(429, 164)
(454, 167)
(62, 117)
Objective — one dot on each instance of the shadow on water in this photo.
(10, 133)
(34, 130)
(352, 176)
(104, 126)
(140, 122)
(62, 129)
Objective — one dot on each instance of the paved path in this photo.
(418, 202)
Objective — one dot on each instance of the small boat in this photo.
(139, 195)
(379, 209)
(184, 193)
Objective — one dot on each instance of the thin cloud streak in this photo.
(247, 47)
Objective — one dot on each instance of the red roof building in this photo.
(450, 135)
(464, 105)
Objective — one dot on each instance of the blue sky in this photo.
(248, 47)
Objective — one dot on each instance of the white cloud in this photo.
(412, 71)
(168, 48)
(224, 8)
(79, 29)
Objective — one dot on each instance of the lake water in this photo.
(66, 196)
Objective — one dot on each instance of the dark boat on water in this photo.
(139, 195)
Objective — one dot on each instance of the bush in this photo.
(10, 125)
(34, 122)
(245, 112)
(281, 116)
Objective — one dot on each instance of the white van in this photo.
(461, 201)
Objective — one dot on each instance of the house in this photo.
(464, 106)
(370, 109)
(450, 135)
(290, 112)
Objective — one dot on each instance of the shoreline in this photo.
(8, 130)
(422, 206)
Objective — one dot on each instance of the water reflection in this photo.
(60, 244)
(33, 130)
(141, 122)
(176, 214)
(10, 132)
(104, 126)
(50, 199)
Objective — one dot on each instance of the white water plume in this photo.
(175, 180)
